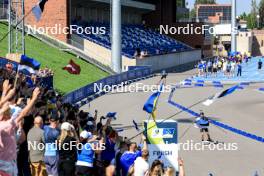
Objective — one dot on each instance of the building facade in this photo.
(214, 13)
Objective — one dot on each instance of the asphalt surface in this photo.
(242, 109)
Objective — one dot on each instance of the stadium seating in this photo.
(136, 36)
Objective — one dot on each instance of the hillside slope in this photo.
(56, 59)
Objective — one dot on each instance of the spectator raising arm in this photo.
(7, 94)
(95, 115)
(29, 105)
(6, 87)
(181, 167)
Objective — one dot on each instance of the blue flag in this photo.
(111, 115)
(24, 60)
(38, 9)
(151, 103)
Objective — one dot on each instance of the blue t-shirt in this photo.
(200, 66)
(51, 135)
(127, 159)
(86, 154)
(109, 153)
(239, 66)
(209, 64)
(202, 122)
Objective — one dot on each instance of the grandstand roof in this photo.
(131, 3)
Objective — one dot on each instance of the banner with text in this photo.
(162, 139)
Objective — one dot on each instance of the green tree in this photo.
(193, 13)
(261, 13)
(252, 17)
(243, 16)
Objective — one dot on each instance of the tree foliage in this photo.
(261, 13)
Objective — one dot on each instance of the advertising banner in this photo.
(162, 140)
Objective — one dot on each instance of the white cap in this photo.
(86, 135)
(90, 123)
(67, 126)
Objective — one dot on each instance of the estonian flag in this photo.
(73, 68)
(26, 69)
(38, 9)
(226, 92)
(25, 63)
(30, 62)
(151, 104)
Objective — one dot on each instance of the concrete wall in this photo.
(244, 42)
(100, 53)
(103, 55)
(170, 60)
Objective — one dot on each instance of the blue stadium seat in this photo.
(137, 36)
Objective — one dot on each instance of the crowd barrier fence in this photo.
(90, 89)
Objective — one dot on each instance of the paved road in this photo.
(243, 109)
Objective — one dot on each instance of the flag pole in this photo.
(16, 78)
(164, 82)
(20, 21)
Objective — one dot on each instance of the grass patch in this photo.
(56, 59)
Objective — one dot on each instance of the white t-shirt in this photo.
(233, 65)
(141, 166)
(224, 66)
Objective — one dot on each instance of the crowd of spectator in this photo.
(227, 66)
(139, 54)
(45, 72)
(41, 73)
(40, 135)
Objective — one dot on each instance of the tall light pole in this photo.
(233, 27)
(116, 56)
(258, 18)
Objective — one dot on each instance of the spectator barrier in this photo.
(87, 93)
